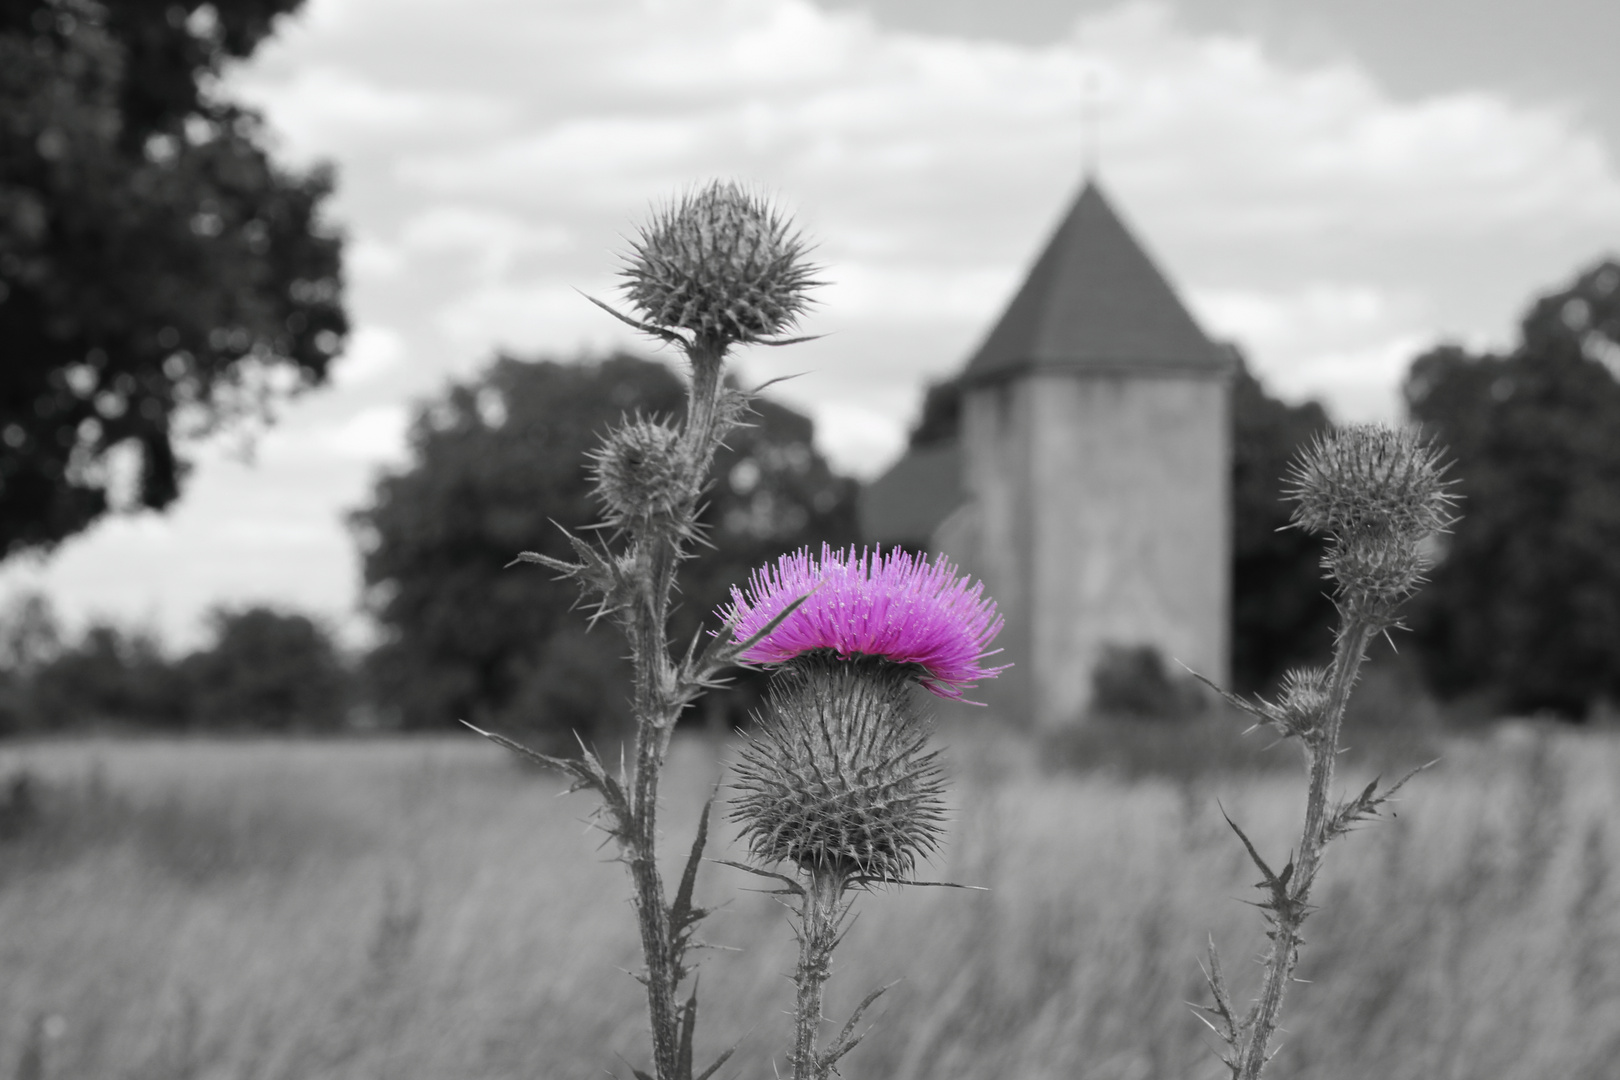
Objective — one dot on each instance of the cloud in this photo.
(904, 291)
(324, 107)
(929, 167)
(372, 351)
(375, 435)
(1345, 343)
(535, 315)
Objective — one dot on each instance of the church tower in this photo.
(1092, 467)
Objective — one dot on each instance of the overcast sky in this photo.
(1335, 187)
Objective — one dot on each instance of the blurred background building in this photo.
(1088, 480)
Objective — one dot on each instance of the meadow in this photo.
(430, 910)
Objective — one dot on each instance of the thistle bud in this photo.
(638, 472)
(1303, 703)
(835, 778)
(722, 264)
(1379, 567)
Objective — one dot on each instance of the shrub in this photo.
(1133, 681)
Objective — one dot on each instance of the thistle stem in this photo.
(821, 912)
(703, 400)
(1323, 747)
(656, 707)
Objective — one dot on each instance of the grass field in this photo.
(427, 909)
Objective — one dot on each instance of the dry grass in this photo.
(426, 909)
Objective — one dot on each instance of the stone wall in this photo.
(1102, 516)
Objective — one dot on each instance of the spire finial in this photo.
(1090, 138)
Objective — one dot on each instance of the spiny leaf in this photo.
(1365, 806)
(646, 328)
(681, 912)
(777, 342)
(847, 1039)
(612, 791)
(683, 1052)
(567, 569)
(719, 1061)
(573, 768)
(722, 653)
(1256, 709)
(864, 881)
(1271, 880)
(792, 887)
(1223, 1001)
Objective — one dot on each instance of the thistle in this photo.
(1370, 480)
(1380, 495)
(902, 609)
(837, 781)
(714, 269)
(721, 264)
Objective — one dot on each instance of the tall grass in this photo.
(425, 909)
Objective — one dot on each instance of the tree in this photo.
(941, 417)
(268, 670)
(30, 638)
(1282, 616)
(160, 275)
(264, 670)
(1525, 604)
(109, 675)
(498, 463)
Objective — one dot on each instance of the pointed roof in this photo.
(1095, 301)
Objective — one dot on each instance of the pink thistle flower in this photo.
(896, 607)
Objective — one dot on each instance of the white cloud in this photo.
(371, 260)
(534, 316)
(325, 107)
(899, 291)
(856, 438)
(372, 351)
(1362, 383)
(375, 435)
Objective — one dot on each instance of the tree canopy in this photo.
(498, 464)
(160, 274)
(1524, 607)
(1282, 615)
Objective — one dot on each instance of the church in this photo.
(1088, 480)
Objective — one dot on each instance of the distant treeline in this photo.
(1522, 615)
(262, 670)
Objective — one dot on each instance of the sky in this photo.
(1334, 187)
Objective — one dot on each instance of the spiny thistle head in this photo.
(835, 777)
(897, 607)
(1371, 478)
(1379, 494)
(639, 471)
(722, 264)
